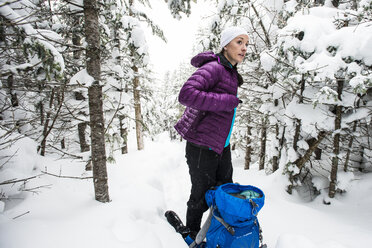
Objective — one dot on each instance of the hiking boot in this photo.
(177, 223)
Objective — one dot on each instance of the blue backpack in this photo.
(232, 220)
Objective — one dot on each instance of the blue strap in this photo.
(231, 128)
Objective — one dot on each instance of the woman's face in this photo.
(236, 49)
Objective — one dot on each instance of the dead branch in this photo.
(70, 177)
(267, 37)
(12, 181)
(33, 190)
(65, 153)
(8, 159)
(21, 215)
(116, 111)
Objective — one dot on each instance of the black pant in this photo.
(207, 169)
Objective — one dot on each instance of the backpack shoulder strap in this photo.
(229, 228)
(203, 231)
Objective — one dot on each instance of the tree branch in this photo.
(71, 177)
(12, 181)
(268, 42)
(65, 153)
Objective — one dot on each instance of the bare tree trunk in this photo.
(76, 37)
(281, 144)
(63, 144)
(276, 156)
(48, 128)
(92, 35)
(137, 110)
(46, 124)
(296, 134)
(41, 107)
(76, 41)
(298, 121)
(248, 150)
(263, 143)
(350, 145)
(13, 96)
(267, 36)
(84, 147)
(318, 151)
(366, 159)
(301, 161)
(2, 29)
(336, 141)
(137, 99)
(124, 135)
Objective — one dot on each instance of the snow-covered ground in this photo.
(144, 184)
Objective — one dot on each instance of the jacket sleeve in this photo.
(195, 93)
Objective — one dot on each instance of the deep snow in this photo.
(144, 184)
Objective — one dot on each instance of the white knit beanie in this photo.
(229, 34)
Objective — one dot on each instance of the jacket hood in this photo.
(203, 58)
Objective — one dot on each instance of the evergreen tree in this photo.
(69, 25)
(31, 68)
(319, 78)
(179, 6)
(97, 124)
(138, 54)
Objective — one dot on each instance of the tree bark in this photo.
(296, 136)
(2, 29)
(263, 143)
(267, 36)
(63, 144)
(123, 135)
(248, 150)
(76, 41)
(95, 101)
(76, 37)
(350, 145)
(137, 110)
(306, 157)
(13, 96)
(46, 125)
(336, 141)
(137, 98)
(317, 152)
(84, 147)
(298, 121)
(301, 161)
(48, 128)
(41, 108)
(276, 156)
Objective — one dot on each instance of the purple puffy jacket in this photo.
(210, 96)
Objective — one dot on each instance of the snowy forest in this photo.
(77, 88)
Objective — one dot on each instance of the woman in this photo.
(210, 96)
